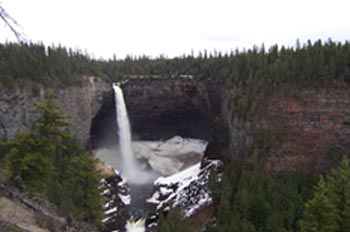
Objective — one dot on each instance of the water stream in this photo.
(129, 163)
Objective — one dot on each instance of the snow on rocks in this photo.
(187, 189)
(126, 199)
(116, 197)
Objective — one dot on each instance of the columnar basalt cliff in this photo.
(161, 108)
(81, 102)
(302, 127)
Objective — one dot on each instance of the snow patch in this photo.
(183, 178)
(106, 191)
(187, 189)
(126, 199)
(111, 210)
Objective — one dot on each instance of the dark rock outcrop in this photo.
(113, 188)
(81, 102)
(161, 108)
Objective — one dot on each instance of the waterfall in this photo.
(124, 133)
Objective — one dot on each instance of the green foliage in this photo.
(318, 62)
(47, 65)
(49, 161)
(173, 221)
(329, 210)
(251, 200)
(32, 153)
(82, 183)
(52, 121)
(320, 213)
(339, 193)
(259, 68)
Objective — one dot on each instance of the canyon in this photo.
(293, 127)
(311, 121)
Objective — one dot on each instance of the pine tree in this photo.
(52, 121)
(224, 207)
(173, 221)
(320, 214)
(31, 157)
(339, 194)
(82, 186)
(48, 160)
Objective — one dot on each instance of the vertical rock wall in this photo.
(308, 127)
(160, 108)
(81, 102)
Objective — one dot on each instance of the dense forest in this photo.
(318, 61)
(246, 198)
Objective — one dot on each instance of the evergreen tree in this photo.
(320, 214)
(339, 194)
(52, 121)
(30, 168)
(48, 160)
(251, 200)
(224, 212)
(30, 159)
(329, 210)
(173, 221)
(82, 185)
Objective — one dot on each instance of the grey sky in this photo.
(154, 27)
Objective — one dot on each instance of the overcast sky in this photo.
(175, 27)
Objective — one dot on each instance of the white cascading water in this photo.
(129, 164)
(130, 170)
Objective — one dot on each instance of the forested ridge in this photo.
(318, 61)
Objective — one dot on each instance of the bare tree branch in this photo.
(11, 23)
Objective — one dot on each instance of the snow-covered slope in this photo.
(187, 189)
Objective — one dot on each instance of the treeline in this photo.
(310, 62)
(47, 65)
(318, 61)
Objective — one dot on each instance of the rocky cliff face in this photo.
(304, 127)
(311, 124)
(80, 102)
(162, 108)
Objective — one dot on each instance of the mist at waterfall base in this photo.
(131, 171)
